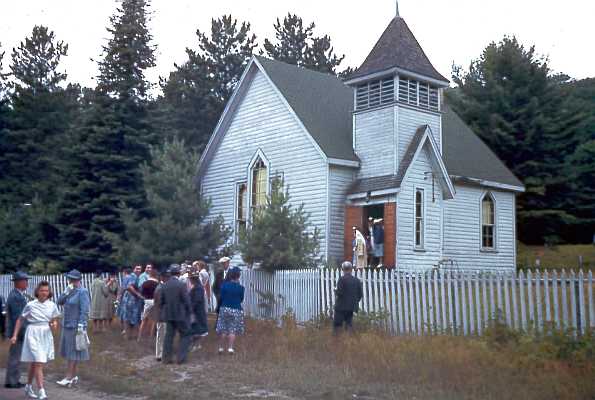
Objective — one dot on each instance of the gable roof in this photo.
(397, 48)
(423, 135)
(325, 105)
(467, 156)
(322, 103)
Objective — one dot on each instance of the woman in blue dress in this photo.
(76, 302)
(132, 303)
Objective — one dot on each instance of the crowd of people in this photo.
(149, 303)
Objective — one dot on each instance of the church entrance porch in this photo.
(379, 218)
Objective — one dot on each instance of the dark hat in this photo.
(235, 270)
(20, 276)
(74, 275)
(174, 269)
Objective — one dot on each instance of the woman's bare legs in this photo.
(38, 367)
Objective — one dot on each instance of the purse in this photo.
(82, 341)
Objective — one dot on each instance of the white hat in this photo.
(224, 259)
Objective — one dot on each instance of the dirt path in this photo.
(56, 392)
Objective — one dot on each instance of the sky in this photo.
(449, 31)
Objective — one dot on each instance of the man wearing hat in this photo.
(175, 309)
(348, 293)
(16, 301)
(220, 277)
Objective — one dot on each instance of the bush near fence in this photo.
(414, 303)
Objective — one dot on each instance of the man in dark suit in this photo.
(220, 277)
(348, 293)
(175, 309)
(16, 301)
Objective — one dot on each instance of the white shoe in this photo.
(30, 392)
(230, 351)
(42, 394)
(68, 382)
(220, 350)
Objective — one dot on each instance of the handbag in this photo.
(82, 341)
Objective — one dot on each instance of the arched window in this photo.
(488, 222)
(259, 185)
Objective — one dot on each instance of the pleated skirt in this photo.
(68, 349)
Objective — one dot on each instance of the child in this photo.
(38, 347)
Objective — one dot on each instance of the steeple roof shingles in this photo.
(397, 48)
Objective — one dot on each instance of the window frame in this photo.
(422, 218)
(494, 225)
(258, 156)
(236, 218)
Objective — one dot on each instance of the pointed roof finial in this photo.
(398, 16)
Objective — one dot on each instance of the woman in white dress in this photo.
(39, 318)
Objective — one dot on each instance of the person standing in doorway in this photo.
(360, 256)
(379, 241)
(348, 294)
(15, 303)
(175, 312)
(370, 241)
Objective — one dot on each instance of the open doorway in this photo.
(373, 216)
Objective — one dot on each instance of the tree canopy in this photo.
(513, 101)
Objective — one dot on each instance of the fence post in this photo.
(590, 298)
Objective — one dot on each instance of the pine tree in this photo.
(126, 57)
(176, 229)
(196, 92)
(296, 44)
(41, 111)
(513, 102)
(89, 211)
(280, 235)
(112, 139)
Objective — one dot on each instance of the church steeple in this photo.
(398, 50)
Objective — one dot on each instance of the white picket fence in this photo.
(461, 303)
(452, 302)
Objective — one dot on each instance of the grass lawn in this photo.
(309, 363)
(558, 257)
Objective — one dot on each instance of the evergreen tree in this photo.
(112, 139)
(296, 44)
(126, 57)
(31, 162)
(513, 102)
(89, 211)
(280, 235)
(176, 229)
(196, 92)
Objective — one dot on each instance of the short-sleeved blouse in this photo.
(37, 312)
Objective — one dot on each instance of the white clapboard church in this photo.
(380, 144)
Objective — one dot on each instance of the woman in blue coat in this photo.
(76, 302)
